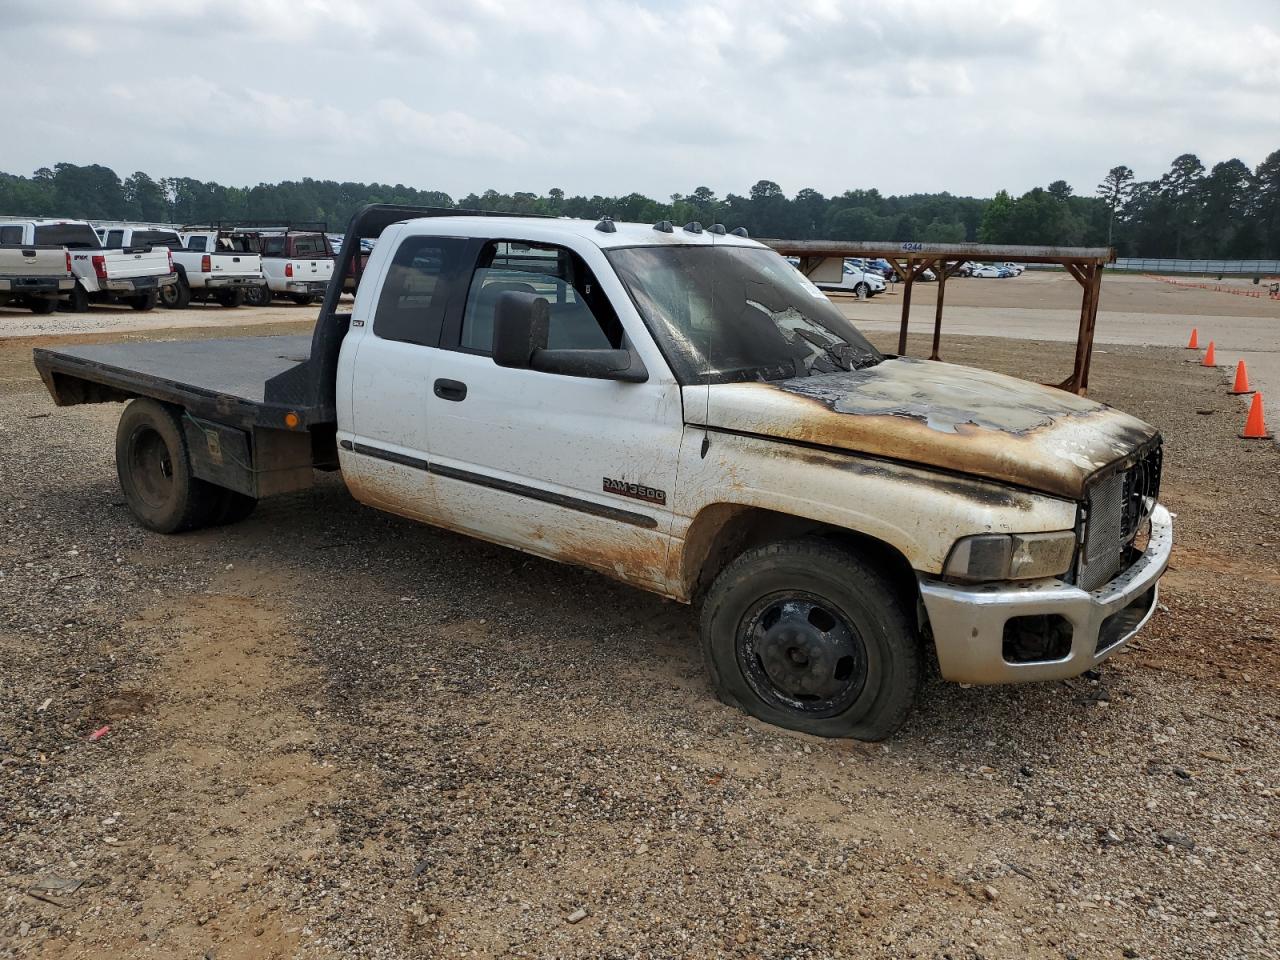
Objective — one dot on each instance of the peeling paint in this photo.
(937, 415)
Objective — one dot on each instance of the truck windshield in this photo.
(727, 313)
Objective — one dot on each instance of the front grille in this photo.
(1117, 504)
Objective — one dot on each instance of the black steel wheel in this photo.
(799, 652)
(155, 470)
(808, 635)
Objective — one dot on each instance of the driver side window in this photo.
(581, 316)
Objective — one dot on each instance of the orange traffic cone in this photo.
(1254, 427)
(1194, 342)
(1242, 380)
(1209, 360)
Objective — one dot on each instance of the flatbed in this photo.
(224, 378)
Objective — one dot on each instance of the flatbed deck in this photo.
(225, 379)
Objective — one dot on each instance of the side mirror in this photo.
(520, 325)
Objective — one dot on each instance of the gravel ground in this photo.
(335, 733)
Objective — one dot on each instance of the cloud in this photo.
(610, 96)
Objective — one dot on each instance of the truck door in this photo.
(383, 447)
(575, 468)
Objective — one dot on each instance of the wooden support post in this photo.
(1095, 295)
(1078, 380)
(908, 278)
(937, 313)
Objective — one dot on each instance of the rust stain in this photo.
(943, 416)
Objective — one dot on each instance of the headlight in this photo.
(1011, 556)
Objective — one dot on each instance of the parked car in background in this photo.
(32, 276)
(352, 280)
(134, 275)
(984, 270)
(881, 266)
(295, 263)
(203, 275)
(854, 280)
(1015, 269)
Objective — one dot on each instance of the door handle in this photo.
(451, 390)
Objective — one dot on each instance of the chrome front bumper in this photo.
(968, 621)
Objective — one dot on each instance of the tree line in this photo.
(1227, 211)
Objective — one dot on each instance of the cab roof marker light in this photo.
(717, 229)
(606, 225)
(664, 226)
(693, 226)
(739, 232)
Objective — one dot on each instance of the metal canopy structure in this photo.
(911, 260)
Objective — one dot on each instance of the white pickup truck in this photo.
(31, 276)
(204, 274)
(295, 264)
(679, 409)
(134, 276)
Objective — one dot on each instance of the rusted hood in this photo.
(935, 414)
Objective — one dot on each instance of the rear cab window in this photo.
(423, 278)
(582, 318)
(310, 246)
(73, 236)
(11, 234)
(155, 238)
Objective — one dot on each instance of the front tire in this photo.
(230, 298)
(42, 305)
(862, 291)
(807, 635)
(154, 468)
(302, 299)
(258, 296)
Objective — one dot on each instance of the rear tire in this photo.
(144, 301)
(77, 301)
(808, 635)
(154, 468)
(302, 299)
(42, 305)
(230, 298)
(176, 296)
(233, 507)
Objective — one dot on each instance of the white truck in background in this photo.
(295, 263)
(209, 274)
(133, 276)
(31, 276)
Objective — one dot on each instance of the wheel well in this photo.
(723, 531)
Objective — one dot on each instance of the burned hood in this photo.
(937, 415)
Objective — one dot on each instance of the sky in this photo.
(610, 97)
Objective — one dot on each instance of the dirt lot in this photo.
(334, 733)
